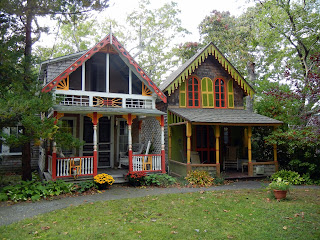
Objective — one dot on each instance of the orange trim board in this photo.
(99, 46)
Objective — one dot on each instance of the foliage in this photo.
(103, 178)
(245, 214)
(199, 178)
(218, 180)
(34, 190)
(84, 186)
(279, 184)
(136, 178)
(292, 177)
(162, 180)
(21, 99)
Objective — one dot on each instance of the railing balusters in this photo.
(63, 166)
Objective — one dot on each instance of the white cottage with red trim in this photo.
(109, 102)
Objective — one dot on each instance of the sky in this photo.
(192, 13)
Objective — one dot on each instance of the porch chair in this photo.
(231, 159)
(195, 158)
(146, 160)
(124, 158)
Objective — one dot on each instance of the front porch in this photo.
(109, 144)
(197, 142)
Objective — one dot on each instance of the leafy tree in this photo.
(154, 31)
(148, 36)
(21, 99)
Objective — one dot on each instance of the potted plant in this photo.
(136, 178)
(280, 188)
(103, 181)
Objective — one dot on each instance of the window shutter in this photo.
(230, 94)
(182, 93)
(207, 92)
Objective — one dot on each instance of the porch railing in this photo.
(64, 164)
(150, 162)
(107, 100)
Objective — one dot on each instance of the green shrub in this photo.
(199, 178)
(218, 180)
(34, 190)
(162, 180)
(84, 186)
(292, 177)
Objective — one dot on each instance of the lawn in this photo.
(243, 214)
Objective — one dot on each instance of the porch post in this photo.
(54, 161)
(250, 166)
(169, 142)
(275, 155)
(129, 121)
(163, 156)
(188, 142)
(95, 119)
(217, 135)
(95, 150)
(56, 115)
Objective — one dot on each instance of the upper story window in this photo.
(219, 93)
(96, 73)
(7, 150)
(193, 92)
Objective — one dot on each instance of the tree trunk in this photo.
(26, 162)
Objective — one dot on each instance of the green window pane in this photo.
(210, 86)
(182, 99)
(210, 96)
(204, 85)
(183, 86)
(205, 100)
(231, 101)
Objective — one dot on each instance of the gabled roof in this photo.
(109, 39)
(224, 116)
(186, 69)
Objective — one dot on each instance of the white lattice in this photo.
(151, 130)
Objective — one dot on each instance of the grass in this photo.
(245, 214)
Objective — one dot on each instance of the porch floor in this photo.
(234, 174)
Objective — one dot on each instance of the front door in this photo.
(205, 143)
(104, 140)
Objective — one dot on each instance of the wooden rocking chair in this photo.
(231, 160)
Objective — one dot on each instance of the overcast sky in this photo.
(192, 11)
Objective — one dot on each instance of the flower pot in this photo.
(103, 186)
(280, 194)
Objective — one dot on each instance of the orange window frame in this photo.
(193, 91)
(220, 95)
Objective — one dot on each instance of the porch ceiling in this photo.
(224, 117)
(110, 111)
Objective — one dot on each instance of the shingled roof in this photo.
(186, 69)
(224, 116)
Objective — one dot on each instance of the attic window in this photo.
(220, 93)
(193, 92)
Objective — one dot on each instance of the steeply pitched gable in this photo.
(100, 46)
(185, 70)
